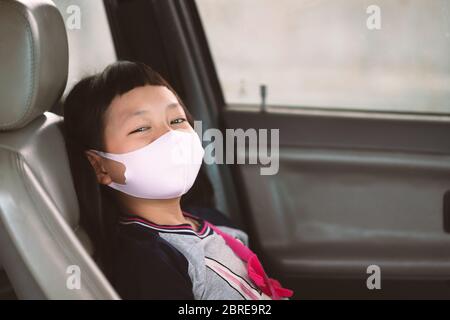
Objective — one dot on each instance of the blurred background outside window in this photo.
(320, 53)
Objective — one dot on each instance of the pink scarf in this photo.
(269, 286)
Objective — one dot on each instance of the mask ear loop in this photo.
(110, 156)
(100, 153)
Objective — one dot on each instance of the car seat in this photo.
(40, 236)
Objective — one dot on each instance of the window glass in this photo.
(391, 55)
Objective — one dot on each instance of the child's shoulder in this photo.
(146, 266)
(132, 241)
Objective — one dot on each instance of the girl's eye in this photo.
(178, 121)
(142, 129)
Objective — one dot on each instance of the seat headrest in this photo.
(33, 60)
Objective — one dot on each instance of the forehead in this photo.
(148, 96)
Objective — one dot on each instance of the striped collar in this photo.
(184, 228)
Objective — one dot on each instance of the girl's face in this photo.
(134, 120)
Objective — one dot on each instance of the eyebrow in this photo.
(142, 111)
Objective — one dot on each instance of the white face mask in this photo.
(164, 169)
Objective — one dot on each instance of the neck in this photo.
(164, 211)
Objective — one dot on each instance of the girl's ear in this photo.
(100, 171)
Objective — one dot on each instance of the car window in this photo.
(389, 55)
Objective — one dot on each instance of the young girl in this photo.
(133, 155)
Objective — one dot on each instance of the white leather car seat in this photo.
(40, 236)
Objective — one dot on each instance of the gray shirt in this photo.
(215, 271)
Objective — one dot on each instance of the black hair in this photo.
(83, 128)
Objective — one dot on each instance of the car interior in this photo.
(354, 188)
